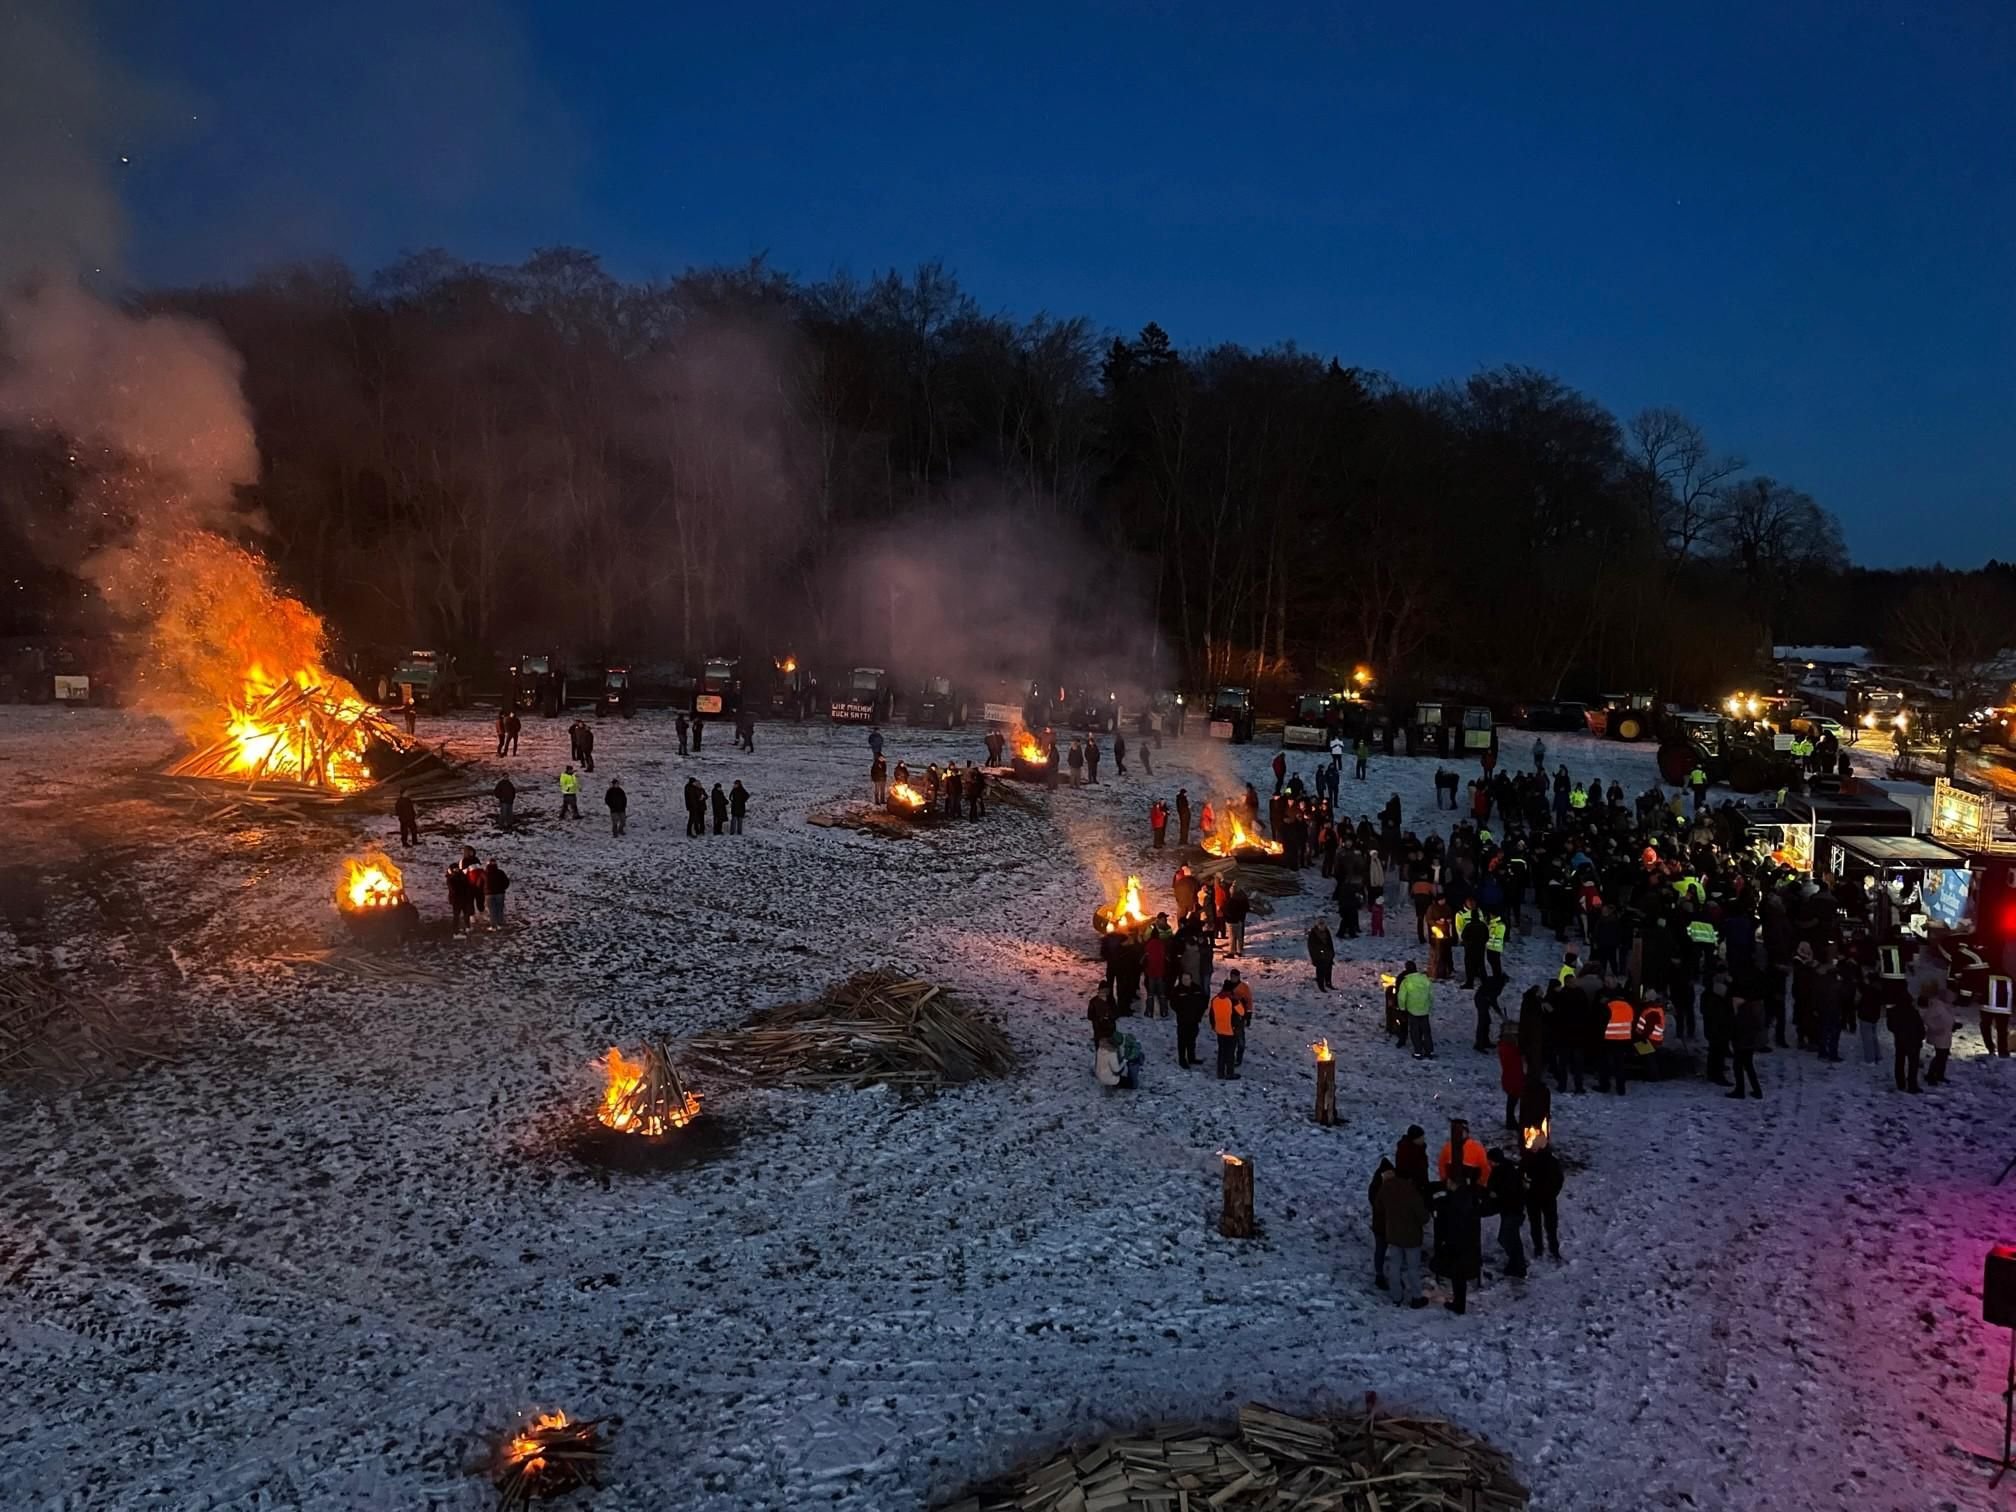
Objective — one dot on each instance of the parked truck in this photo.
(537, 684)
(428, 680)
(940, 704)
(867, 697)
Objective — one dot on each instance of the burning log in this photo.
(371, 898)
(1326, 1084)
(1236, 1220)
(548, 1457)
(1235, 842)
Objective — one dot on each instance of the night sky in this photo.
(1795, 221)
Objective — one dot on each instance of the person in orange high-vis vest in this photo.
(1616, 1045)
(1226, 1012)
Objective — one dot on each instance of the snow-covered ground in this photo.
(312, 1258)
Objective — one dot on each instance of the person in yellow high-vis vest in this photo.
(570, 795)
(1494, 946)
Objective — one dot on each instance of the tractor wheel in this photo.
(1676, 760)
(1630, 727)
(1749, 774)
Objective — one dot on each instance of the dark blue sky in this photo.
(1795, 221)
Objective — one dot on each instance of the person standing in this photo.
(1459, 1236)
(1749, 1039)
(1716, 1022)
(738, 807)
(1361, 756)
(1543, 1192)
(1403, 1204)
(1155, 949)
(1237, 906)
(719, 798)
(1383, 1174)
(1511, 1071)
(699, 728)
(618, 802)
(506, 794)
(1907, 1036)
(1937, 1015)
(495, 883)
(409, 819)
(1486, 1003)
(1346, 894)
(1182, 817)
(878, 779)
(1868, 1014)
(1226, 1017)
(1186, 998)
(500, 731)
(1280, 769)
(412, 718)
(1322, 953)
(1417, 1003)
(1243, 995)
(587, 748)
(1507, 1196)
(512, 727)
(696, 809)
(976, 792)
(570, 794)
(1158, 822)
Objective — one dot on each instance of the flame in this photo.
(1535, 1138)
(902, 795)
(526, 1449)
(1222, 843)
(1322, 1049)
(319, 741)
(623, 1095)
(373, 882)
(1126, 911)
(788, 665)
(1231, 1160)
(1028, 748)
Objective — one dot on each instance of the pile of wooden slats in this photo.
(876, 1028)
(65, 1031)
(1271, 1463)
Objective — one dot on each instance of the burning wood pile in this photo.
(1271, 1462)
(548, 1457)
(371, 899)
(646, 1117)
(1234, 841)
(1029, 757)
(906, 799)
(1124, 915)
(875, 1028)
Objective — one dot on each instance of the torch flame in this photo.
(1226, 844)
(1322, 1049)
(1535, 1138)
(626, 1098)
(373, 882)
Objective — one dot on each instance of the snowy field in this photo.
(312, 1258)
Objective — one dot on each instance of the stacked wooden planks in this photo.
(877, 1027)
(1271, 1462)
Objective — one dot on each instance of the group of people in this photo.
(476, 887)
(1436, 1226)
(1176, 966)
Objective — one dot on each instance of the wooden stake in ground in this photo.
(1326, 1084)
(1236, 1221)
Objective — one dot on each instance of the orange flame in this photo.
(526, 1449)
(1322, 1049)
(1535, 1138)
(1222, 843)
(1028, 748)
(902, 795)
(1231, 1160)
(624, 1096)
(373, 882)
(1126, 911)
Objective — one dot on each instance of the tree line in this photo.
(507, 458)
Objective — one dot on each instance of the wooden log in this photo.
(1326, 1091)
(1236, 1219)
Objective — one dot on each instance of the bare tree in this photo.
(1775, 537)
(1959, 627)
(1680, 482)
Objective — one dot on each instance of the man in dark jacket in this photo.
(719, 799)
(619, 806)
(738, 807)
(696, 808)
(1186, 997)
(1403, 1212)
(1182, 816)
(409, 819)
(1508, 1200)
(1717, 1022)
(1322, 953)
(1459, 1235)
(679, 725)
(1543, 1191)
(1749, 1038)
(1907, 1033)
(506, 794)
(1487, 1004)
(1379, 1178)
(1237, 906)
(587, 748)
(1103, 1013)
(1348, 899)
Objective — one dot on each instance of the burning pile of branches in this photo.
(1029, 758)
(644, 1097)
(549, 1456)
(1234, 841)
(1124, 915)
(877, 1027)
(1271, 1462)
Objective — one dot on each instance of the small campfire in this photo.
(644, 1097)
(1124, 915)
(371, 898)
(1234, 841)
(550, 1456)
(905, 799)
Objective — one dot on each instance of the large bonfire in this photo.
(239, 665)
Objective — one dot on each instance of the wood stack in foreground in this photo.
(65, 1031)
(877, 1027)
(1272, 1462)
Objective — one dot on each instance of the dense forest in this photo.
(501, 458)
